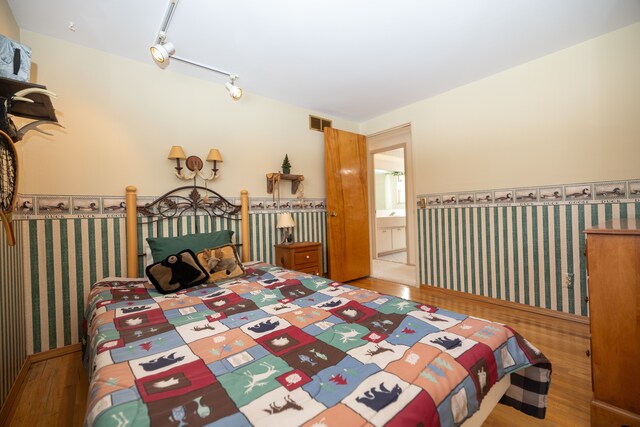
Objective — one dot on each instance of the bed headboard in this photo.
(167, 208)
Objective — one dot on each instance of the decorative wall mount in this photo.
(194, 164)
(274, 178)
(8, 184)
(26, 100)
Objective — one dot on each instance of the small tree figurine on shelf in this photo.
(286, 166)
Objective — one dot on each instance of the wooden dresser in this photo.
(613, 265)
(300, 256)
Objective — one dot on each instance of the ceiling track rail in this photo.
(162, 39)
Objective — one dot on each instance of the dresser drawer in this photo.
(306, 257)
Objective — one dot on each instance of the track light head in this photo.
(234, 91)
(161, 52)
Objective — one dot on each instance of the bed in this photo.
(278, 347)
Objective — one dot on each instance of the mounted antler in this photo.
(7, 105)
(21, 99)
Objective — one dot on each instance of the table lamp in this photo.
(286, 224)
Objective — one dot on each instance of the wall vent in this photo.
(318, 123)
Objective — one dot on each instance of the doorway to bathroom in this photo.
(392, 206)
(390, 202)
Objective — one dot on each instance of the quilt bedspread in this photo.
(277, 347)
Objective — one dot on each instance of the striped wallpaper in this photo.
(310, 226)
(519, 253)
(12, 330)
(62, 257)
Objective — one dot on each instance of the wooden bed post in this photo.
(244, 211)
(132, 232)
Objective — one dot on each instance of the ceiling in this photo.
(352, 59)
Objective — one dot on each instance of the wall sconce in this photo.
(286, 225)
(177, 153)
(194, 163)
(214, 157)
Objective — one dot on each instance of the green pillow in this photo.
(162, 247)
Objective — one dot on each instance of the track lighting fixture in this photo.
(234, 91)
(162, 50)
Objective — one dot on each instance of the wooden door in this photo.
(345, 158)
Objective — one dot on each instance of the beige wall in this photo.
(572, 116)
(8, 26)
(122, 116)
(567, 117)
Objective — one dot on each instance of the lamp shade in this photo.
(214, 155)
(285, 221)
(176, 152)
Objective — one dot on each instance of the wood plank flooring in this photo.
(55, 391)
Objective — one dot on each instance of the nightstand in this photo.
(305, 257)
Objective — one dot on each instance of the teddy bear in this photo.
(211, 260)
(216, 261)
(181, 272)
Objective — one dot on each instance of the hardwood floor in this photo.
(55, 391)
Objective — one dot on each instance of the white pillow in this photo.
(148, 255)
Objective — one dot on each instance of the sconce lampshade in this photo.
(214, 155)
(285, 221)
(162, 52)
(176, 153)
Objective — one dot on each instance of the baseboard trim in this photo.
(56, 352)
(508, 304)
(14, 393)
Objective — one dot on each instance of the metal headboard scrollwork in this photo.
(175, 205)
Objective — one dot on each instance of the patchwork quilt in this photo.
(281, 348)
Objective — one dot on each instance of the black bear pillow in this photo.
(177, 272)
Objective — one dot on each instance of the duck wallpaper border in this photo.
(604, 192)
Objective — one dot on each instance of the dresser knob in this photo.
(307, 256)
(588, 353)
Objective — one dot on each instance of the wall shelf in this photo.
(275, 178)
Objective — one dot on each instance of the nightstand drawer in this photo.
(306, 257)
(315, 270)
(300, 256)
